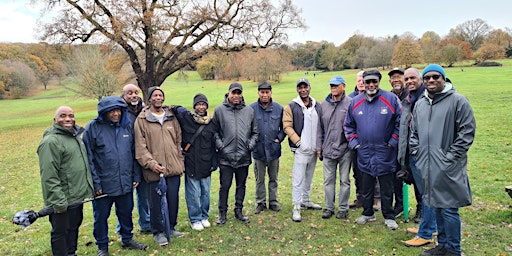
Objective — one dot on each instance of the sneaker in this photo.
(418, 216)
(391, 224)
(102, 253)
(342, 215)
(161, 239)
(260, 208)
(296, 213)
(418, 242)
(206, 223)
(376, 205)
(327, 214)
(176, 233)
(356, 204)
(310, 206)
(275, 207)
(438, 250)
(197, 226)
(363, 219)
(414, 231)
(134, 245)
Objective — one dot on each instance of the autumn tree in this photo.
(466, 52)
(450, 53)
(303, 55)
(499, 37)
(489, 51)
(16, 77)
(380, 54)
(472, 31)
(429, 41)
(172, 34)
(326, 56)
(407, 52)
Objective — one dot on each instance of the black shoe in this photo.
(438, 250)
(222, 219)
(342, 215)
(102, 253)
(275, 207)
(260, 208)
(148, 231)
(134, 245)
(418, 216)
(327, 214)
(240, 216)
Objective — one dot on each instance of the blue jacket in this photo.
(372, 127)
(270, 128)
(111, 150)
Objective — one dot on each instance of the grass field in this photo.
(487, 224)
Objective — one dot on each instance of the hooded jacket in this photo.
(65, 174)
(442, 131)
(372, 127)
(405, 123)
(330, 136)
(236, 133)
(111, 149)
(158, 144)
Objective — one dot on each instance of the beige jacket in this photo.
(158, 144)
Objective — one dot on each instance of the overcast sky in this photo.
(331, 20)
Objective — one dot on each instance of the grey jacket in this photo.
(330, 136)
(442, 132)
(236, 132)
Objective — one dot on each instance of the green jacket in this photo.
(65, 174)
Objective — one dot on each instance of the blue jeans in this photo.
(448, 224)
(428, 222)
(101, 210)
(155, 206)
(143, 205)
(197, 196)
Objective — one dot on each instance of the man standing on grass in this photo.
(132, 98)
(158, 151)
(235, 138)
(200, 159)
(332, 146)
(372, 127)
(300, 121)
(442, 131)
(269, 115)
(111, 152)
(65, 179)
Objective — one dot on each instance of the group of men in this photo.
(423, 128)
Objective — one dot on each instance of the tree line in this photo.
(99, 69)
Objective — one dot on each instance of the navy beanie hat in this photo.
(200, 98)
(436, 68)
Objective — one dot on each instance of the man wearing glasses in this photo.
(372, 127)
(236, 132)
(442, 131)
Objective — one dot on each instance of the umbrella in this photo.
(26, 217)
(405, 190)
(161, 190)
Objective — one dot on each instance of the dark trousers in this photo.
(155, 207)
(64, 234)
(386, 194)
(357, 175)
(101, 210)
(398, 193)
(226, 179)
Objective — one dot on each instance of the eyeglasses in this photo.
(369, 81)
(427, 78)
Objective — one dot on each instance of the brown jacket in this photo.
(156, 143)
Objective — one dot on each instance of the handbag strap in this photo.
(198, 131)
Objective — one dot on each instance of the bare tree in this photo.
(173, 33)
(472, 31)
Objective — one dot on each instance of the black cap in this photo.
(372, 74)
(264, 85)
(303, 81)
(235, 86)
(396, 70)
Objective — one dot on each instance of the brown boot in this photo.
(418, 241)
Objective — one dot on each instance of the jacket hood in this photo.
(448, 89)
(110, 103)
(299, 101)
(330, 100)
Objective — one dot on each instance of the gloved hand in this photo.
(405, 175)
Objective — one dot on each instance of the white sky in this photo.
(330, 20)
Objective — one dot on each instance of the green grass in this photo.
(487, 224)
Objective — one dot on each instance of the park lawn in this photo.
(487, 224)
